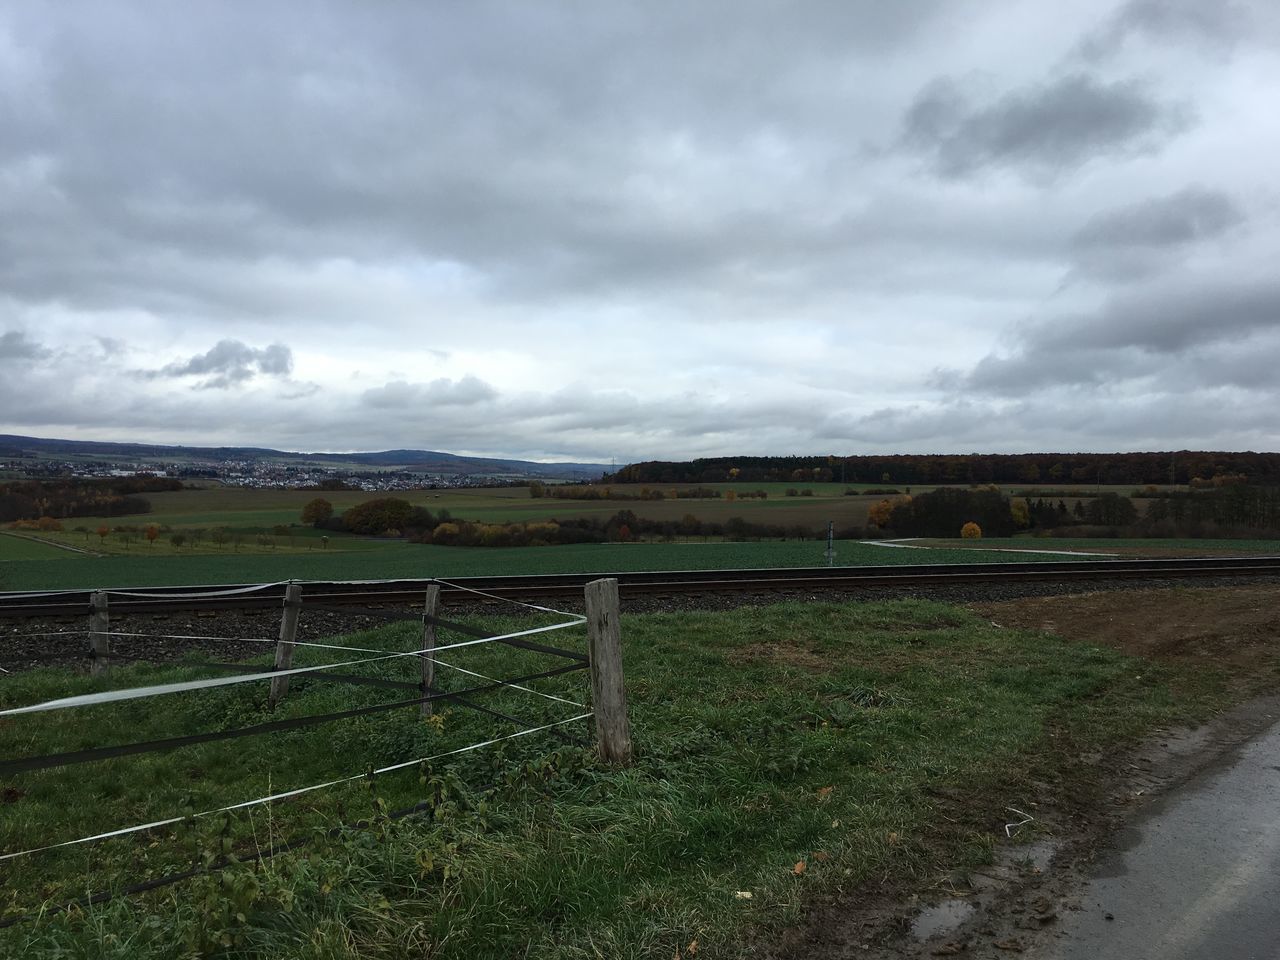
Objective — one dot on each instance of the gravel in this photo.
(223, 634)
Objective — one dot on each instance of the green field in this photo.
(20, 548)
(308, 554)
(785, 755)
(395, 559)
(1204, 547)
(248, 514)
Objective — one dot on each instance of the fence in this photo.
(603, 660)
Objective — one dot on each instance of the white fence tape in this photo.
(287, 793)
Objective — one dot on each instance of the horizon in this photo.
(619, 464)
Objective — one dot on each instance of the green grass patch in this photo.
(375, 559)
(766, 736)
(1208, 546)
(20, 548)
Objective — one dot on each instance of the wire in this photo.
(138, 693)
(283, 795)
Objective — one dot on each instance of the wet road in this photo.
(1196, 878)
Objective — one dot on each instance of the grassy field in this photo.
(1204, 547)
(396, 559)
(785, 754)
(301, 553)
(249, 511)
(20, 548)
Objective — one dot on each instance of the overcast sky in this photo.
(585, 230)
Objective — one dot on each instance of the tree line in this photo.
(88, 497)
(1172, 467)
(393, 517)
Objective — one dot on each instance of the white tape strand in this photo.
(197, 595)
(123, 831)
(137, 693)
(494, 596)
(514, 686)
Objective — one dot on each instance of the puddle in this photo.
(941, 918)
(1038, 854)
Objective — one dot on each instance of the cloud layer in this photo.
(589, 232)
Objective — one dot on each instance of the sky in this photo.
(594, 231)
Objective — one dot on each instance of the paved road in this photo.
(1196, 878)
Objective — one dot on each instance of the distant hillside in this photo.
(417, 461)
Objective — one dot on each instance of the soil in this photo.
(1013, 906)
(1237, 627)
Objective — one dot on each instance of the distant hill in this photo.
(416, 461)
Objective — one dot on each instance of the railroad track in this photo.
(75, 603)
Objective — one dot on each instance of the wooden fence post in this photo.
(608, 693)
(284, 648)
(430, 610)
(99, 627)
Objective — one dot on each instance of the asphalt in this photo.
(1196, 878)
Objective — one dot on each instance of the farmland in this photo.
(393, 559)
(262, 539)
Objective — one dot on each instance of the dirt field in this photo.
(1237, 627)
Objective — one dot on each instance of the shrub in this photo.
(317, 511)
(374, 517)
(971, 531)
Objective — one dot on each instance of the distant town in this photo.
(257, 474)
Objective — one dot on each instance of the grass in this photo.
(825, 735)
(396, 559)
(249, 511)
(20, 548)
(1206, 546)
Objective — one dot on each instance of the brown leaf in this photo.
(825, 791)
(692, 948)
(798, 868)
(822, 856)
(893, 837)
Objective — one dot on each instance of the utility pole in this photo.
(831, 547)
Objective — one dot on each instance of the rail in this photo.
(75, 603)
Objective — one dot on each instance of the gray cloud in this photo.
(401, 395)
(1189, 215)
(656, 234)
(1192, 333)
(230, 362)
(1046, 128)
(1137, 240)
(1218, 25)
(16, 345)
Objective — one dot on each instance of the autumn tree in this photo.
(102, 532)
(317, 511)
(879, 513)
(971, 531)
(152, 532)
(1021, 513)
